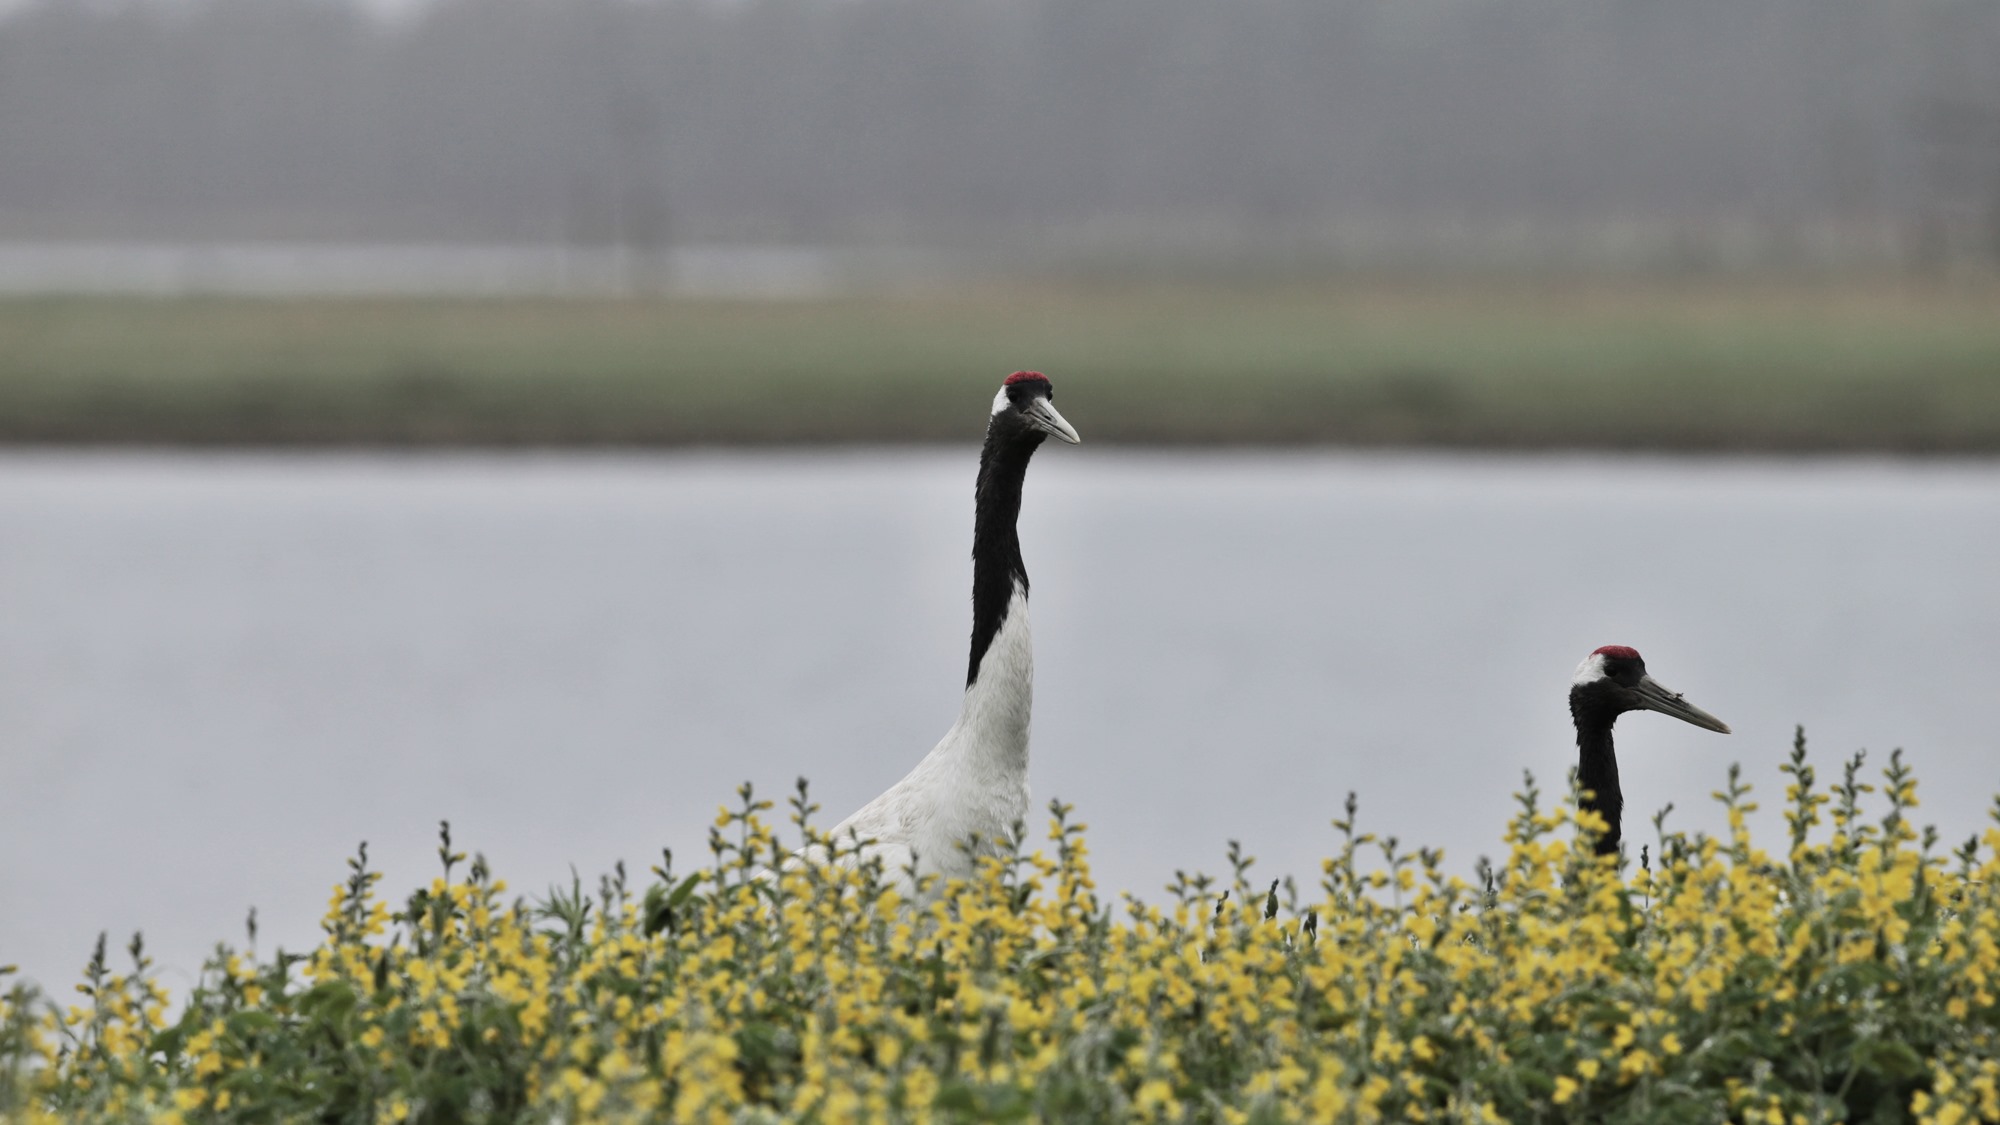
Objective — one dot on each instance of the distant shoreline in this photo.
(1879, 366)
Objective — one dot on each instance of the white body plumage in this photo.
(973, 784)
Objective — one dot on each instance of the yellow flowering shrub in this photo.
(1849, 977)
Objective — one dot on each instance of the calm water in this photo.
(218, 674)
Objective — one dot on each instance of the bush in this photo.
(1850, 979)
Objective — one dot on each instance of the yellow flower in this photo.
(1021, 973)
(1154, 1094)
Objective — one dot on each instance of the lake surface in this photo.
(218, 673)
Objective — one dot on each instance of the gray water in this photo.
(217, 674)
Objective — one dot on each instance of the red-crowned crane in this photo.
(974, 783)
(1610, 682)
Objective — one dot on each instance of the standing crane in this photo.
(974, 783)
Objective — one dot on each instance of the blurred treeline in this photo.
(1802, 129)
(1376, 179)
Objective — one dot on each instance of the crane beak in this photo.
(1655, 697)
(1041, 414)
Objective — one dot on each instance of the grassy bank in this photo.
(1846, 972)
(1744, 367)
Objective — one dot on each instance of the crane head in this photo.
(1615, 676)
(1026, 403)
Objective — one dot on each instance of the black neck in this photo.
(996, 548)
(1597, 765)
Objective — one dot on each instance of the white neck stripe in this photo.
(1590, 671)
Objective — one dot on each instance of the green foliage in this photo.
(1851, 978)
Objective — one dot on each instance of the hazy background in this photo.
(1695, 135)
(1526, 224)
(1445, 133)
(318, 318)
